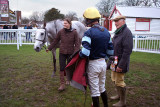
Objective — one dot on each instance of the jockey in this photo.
(97, 45)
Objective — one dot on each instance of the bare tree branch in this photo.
(147, 3)
(106, 6)
(25, 20)
(71, 16)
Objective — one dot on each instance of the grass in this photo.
(25, 81)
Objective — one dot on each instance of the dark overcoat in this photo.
(123, 45)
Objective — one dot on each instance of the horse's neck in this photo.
(57, 25)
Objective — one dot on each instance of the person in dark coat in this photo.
(96, 44)
(5, 33)
(5, 26)
(14, 27)
(25, 27)
(28, 36)
(123, 45)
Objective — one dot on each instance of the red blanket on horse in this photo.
(76, 72)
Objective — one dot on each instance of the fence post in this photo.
(17, 40)
(136, 42)
(20, 38)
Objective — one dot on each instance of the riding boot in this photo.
(95, 101)
(104, 99)
(116, 97)
(62, 81)
(122, 93)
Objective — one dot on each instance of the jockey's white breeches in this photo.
(97, 76)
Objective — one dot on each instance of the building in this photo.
(138, 19)
(7, 15)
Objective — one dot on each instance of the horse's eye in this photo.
(42, 34)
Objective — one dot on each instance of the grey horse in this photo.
(49, 32)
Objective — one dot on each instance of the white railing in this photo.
(142, 42)
(145, 42)
(17, 36)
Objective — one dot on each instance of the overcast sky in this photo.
(65, 6)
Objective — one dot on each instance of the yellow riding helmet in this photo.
(91, 13)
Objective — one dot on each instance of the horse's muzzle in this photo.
(37, 49)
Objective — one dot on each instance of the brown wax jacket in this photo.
(69, 41)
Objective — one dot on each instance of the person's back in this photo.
(96, 42)
(100, 38)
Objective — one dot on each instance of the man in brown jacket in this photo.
(69, 44)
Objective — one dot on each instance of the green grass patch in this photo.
(25, 81)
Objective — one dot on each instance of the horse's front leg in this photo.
(54, 61)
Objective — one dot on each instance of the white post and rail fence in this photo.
(142, 42)
(17, 37)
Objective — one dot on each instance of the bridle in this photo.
(43, 41)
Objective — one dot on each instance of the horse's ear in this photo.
(44, 25)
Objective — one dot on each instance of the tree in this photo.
(131, 2)
(41, 16)
(71, 16)
(35, 16)
(53, 14)
(156, 3)
(106, 6)
(147, 3)
(25, 20)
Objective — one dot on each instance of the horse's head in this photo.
(40, 39)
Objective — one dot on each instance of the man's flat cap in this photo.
(119, 17)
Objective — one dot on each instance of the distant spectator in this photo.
(9, 27)
(5, 26)
(5, 33)
(25, 27)
(14, 27)
(10, 33)
(28, 36)
(29, 26)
